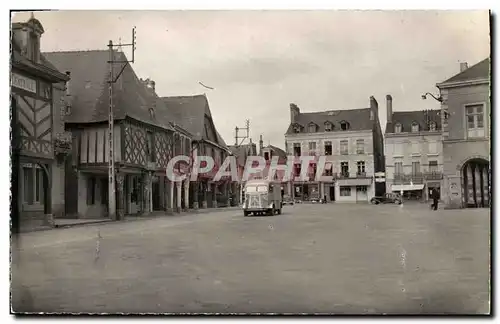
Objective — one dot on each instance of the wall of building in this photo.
(336, 158)
(400, 149)
(457, 148)
(97, 210)
(58, 172)
(457, 98)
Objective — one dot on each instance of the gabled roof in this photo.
(90, 95)
(407, 118)
(190, 111)
(478, 71)
(358, 119)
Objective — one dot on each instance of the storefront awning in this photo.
(407, 187)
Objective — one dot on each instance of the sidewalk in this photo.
(38, 225)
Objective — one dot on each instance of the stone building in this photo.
(465, 106)
(39, 142)
(413, 152)
(144, 140)
(193, 114)
(352, 142)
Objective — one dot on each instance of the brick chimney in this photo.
(463, 66)
(294, 112)
(389, 108)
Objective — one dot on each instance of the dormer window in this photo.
(414, 127)
(34, 46)
(397, 128)
(432, 126)
(344, 125)
(328, 127)
(296, 128)
(312, 128)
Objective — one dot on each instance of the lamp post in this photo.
(438, 98)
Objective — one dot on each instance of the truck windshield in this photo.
(256, 189)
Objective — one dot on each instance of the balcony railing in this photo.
(433, 175)
(415, 178)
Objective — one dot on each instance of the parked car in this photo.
(388, 198)
(287, 200)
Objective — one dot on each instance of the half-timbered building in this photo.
(193, 113)
(144, 139)
(39, 143)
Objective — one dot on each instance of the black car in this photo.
(388, 198)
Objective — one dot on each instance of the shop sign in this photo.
(23, 82)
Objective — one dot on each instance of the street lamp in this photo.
(424, 96)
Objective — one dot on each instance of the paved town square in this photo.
(321, 258)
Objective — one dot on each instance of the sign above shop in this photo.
(23, 82)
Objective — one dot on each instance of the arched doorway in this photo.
(476, 185)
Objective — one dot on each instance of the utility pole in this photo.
(111, 157)
(244, 137)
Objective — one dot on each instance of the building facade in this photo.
(351, 141)
(39, 142)
(193, 114)
(413, 152)
(144, 140)
(465, 106)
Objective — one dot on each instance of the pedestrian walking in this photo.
(435, 199)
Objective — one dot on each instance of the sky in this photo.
(258, 62)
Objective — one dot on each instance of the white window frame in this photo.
(312, 128)
(432, 126)
(328, 127)
(311, 146)
(344, 152)
(396, 164)
(360, 146)
(398, 128)
(475, 132)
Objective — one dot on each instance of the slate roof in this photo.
(242, 152)
(406, 118)
(480, 70)
(277, 150)
(358, 119)
(90, 95)
(190, 111)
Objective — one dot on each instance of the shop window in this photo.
(345, 191)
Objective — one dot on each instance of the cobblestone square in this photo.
(332, 258)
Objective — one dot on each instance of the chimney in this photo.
(374, 107)
(389, 108)
(68, 90)
(463, 66)
(294, 112)
(261, 145)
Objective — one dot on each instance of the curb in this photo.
(133, 219)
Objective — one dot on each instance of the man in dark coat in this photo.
(435, 198)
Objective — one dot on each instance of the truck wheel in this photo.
(279, 211)
(245, 213)
(270, 212)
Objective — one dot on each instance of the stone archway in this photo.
(476, 183)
